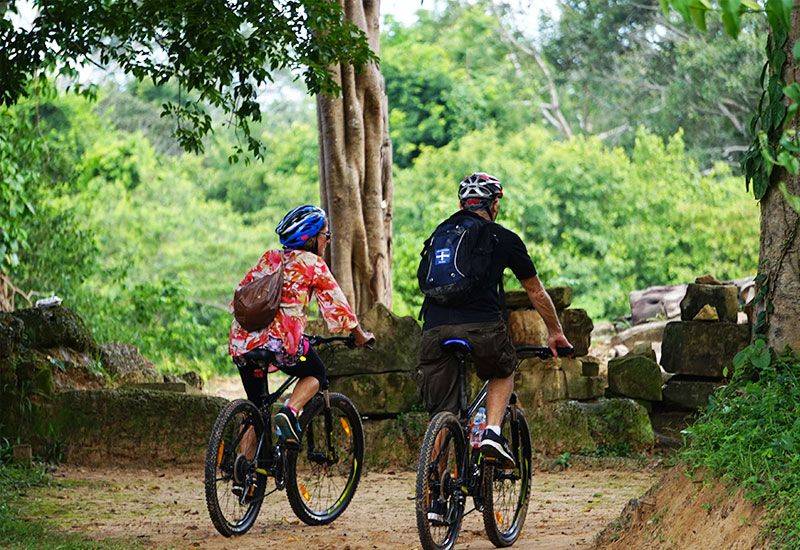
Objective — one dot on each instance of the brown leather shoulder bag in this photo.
(256, 304)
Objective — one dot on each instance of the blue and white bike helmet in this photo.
(300, 225)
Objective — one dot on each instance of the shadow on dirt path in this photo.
(166, 509)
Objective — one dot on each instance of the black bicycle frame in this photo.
(269, 399)
(466, 412)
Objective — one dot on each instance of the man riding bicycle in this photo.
(461, 276)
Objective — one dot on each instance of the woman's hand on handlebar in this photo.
(557, 340)
(362, 337)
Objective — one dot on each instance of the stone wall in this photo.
(696, 352)
(91, 404)
(45, 352)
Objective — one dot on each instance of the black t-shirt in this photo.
(509, 252)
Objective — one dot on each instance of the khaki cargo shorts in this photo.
(492, 354)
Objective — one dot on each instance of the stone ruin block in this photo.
(590, 365)
(699, 348)
(384, 393)
(518, 299)
(526, 326)
(577, 327)
(580, 386)
(537, 382)
(689, 393)
(635, 376)
(723, 298)
(397, 344)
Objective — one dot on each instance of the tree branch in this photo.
(730, 116)
(551, 111)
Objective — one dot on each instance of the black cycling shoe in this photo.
(495, 447)
(437, 512)
(288, 427)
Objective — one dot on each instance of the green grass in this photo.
(750, 437)
(17, 531)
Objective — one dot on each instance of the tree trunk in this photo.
(779, 256)
(355, 165)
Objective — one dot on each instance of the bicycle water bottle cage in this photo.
(456, 345)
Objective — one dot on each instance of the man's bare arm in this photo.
(544, 305)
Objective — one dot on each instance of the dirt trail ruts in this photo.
(166, 509)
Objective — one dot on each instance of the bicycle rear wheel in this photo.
(440, 463)
(228, 469)
(506, 492)
(322, 476)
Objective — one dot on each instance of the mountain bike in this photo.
(320, 476)
(450, 470)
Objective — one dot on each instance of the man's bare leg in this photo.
(498, 394)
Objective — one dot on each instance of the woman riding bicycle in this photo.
(304, 234)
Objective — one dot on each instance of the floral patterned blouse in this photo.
(304, 273)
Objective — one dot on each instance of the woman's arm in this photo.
(332, 302)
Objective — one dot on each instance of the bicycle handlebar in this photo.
(349, 341)
(544, 352)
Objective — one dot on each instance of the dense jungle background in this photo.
(616, 133)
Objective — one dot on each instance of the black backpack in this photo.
(456, 260)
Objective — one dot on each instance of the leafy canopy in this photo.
(220, 53)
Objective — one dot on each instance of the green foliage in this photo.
(593, 217)
(621, 64)
(255, 39)
(18, 149)
(447, 75)
(750, 437)
(775, 140)
(564, 460)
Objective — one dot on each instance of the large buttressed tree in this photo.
(355, 165)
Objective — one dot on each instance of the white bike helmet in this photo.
(481, 186)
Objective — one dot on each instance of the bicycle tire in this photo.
(293, 490)
(213, 462)
(521, 446)
(448, 421)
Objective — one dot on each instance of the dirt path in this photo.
(167, 510)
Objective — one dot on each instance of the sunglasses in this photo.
(327, 235)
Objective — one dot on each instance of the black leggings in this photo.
(253, 367)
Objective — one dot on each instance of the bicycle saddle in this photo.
(456, 345)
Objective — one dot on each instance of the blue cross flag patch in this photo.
(442, 256)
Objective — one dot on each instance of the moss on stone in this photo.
(619, 424)
(26, 391)
(146, 428)
(635, 376)
(10, 334)
(392, 392)
(394, 442)
(560, 427)
(54, 326)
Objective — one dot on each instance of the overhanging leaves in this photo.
(221, 53)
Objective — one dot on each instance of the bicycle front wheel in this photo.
(323, 474)
(506, 492)
(439, 502)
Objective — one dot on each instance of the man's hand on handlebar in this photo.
(362, 337)
(557, 340)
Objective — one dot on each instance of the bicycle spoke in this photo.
(323, 476)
